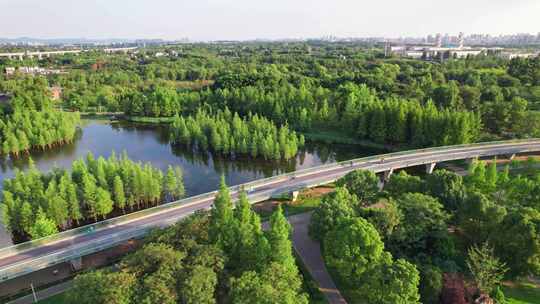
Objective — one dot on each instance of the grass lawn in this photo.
(305, 205)
(306, 201)
(523, 293)
(57, 299)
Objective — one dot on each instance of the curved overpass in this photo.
(27, 257)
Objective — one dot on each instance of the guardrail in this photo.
(138, 232)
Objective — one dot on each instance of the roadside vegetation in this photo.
(221, 256)
(437, 239)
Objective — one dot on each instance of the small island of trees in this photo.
(38, 204)
(29, 129)
(228, 134)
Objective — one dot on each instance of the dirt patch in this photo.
(315, 192)
(266, 206)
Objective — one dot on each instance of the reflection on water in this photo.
(149, 143)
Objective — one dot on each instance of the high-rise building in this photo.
(438, 40)
(461, 40)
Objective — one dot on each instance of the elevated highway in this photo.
(71, 245)
(41, 54)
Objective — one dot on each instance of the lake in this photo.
(150, 143)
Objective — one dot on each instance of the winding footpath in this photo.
(310, 254)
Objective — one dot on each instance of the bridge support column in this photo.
(76, 264)
(510, 156)
(380, 184)
(39, 56)
(430, 168)
(387, 175)
(471, 160)
(20, 57)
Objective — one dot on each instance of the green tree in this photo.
(424, 222)
(221, 219)
(392, 282)
(363, 184)
(447, 187)
(276, 284)
(485, 268)
(334, 208)
(100, 287)
(278, 238)
(43, 226)
(104, 203)
(385, 219)
(251, 245)
(199, 286)
(517, 242)
(402, 183)
(353, 249)
(170, 183)
(431, 284)
(119, 194)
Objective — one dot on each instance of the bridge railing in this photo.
(80, 231)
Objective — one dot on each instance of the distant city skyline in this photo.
(252, 19)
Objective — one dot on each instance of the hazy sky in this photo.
(248, 19)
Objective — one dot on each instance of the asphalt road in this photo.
(105, 235)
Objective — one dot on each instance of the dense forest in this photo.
(37, 204)
(29, 129)
(343, 89)
(220, 257)
(227, 133)
(439, 238)
(425, 239)
(309, 86)
(29, 120)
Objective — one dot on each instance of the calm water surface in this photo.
(149, 143)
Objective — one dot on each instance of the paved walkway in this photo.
(310, 253)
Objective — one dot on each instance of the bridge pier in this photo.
(510, 156)
(21, 57)
(469, 161)
(387, 174)
(76, 264)
(430, 168)
(380, 184)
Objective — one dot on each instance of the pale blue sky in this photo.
(249, 19)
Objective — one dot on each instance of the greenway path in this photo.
(69, 246)
(310, 254)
